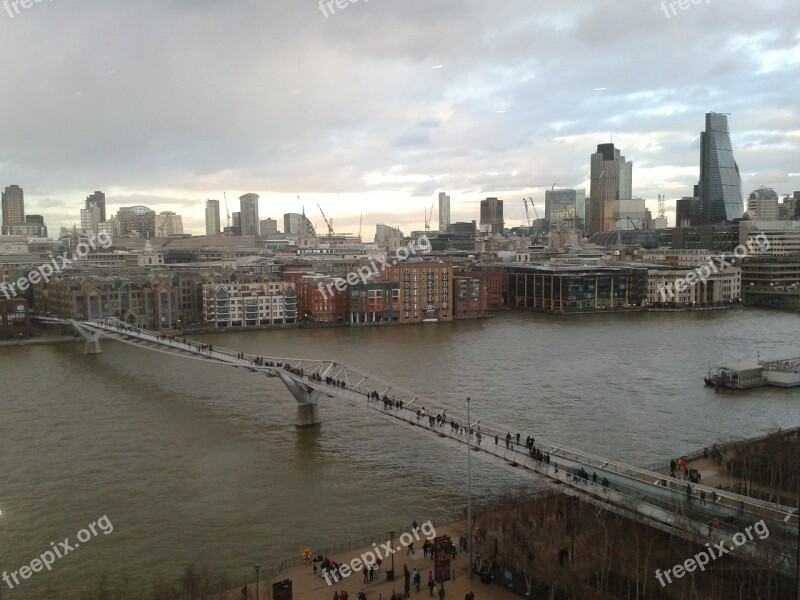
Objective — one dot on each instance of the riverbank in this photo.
(307, 585)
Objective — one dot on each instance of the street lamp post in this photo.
(391, 535)
(469, 487)
(797, 558)
(257, 568)
(1, 583)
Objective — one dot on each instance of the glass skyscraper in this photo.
(720, 185)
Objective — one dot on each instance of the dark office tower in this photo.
(611, 180)
(492, 216)
(797, 205)
(720, 185)
(688, 212)
(13, 206)
(99, 200)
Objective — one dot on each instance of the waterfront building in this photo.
(426, 289)
(374, 302)
(720, 186)
(150, 301)
(771, 280)
(493, 283)
(720, 288)
(15, 319)
(320, 301)
(561, 289)
(469, 297)
(242, 304)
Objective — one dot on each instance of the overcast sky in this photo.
(170, 102)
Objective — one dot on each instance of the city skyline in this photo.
(346, 129)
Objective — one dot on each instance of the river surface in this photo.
(194, 463)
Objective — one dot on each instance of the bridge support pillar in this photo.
(92, 347)
(307, 416)
(307, 402)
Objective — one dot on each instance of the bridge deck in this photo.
(647, 496)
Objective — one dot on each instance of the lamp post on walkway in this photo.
(257, 568)
(1, 583)
(469, 488)
(391, 535)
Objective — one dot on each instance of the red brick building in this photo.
(15, 319)
(325, 305)
(494, 283)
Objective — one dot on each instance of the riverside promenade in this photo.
(308, 586)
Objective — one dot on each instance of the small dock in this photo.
(781, 372)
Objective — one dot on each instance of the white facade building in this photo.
(684, 288)
(242, 304)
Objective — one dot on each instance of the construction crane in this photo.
(328, 222)
(428, 218)
(527, 214)
(225, 195)
(535, 212)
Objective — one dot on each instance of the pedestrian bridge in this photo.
(669, 504)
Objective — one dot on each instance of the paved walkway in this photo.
(307, 586)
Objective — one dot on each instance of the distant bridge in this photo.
(636, 493)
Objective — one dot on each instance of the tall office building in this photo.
(565, 209)
(294, 222)
(611, 181)
(212, 217)
(720, 185)
(268, 227)
(688, 212)
(168, 224)
(90, 218)
(444, 211)
(763, 205)
(13, 206)
(136, 220)
(249, 223)
(492, 216)
(99, 200)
